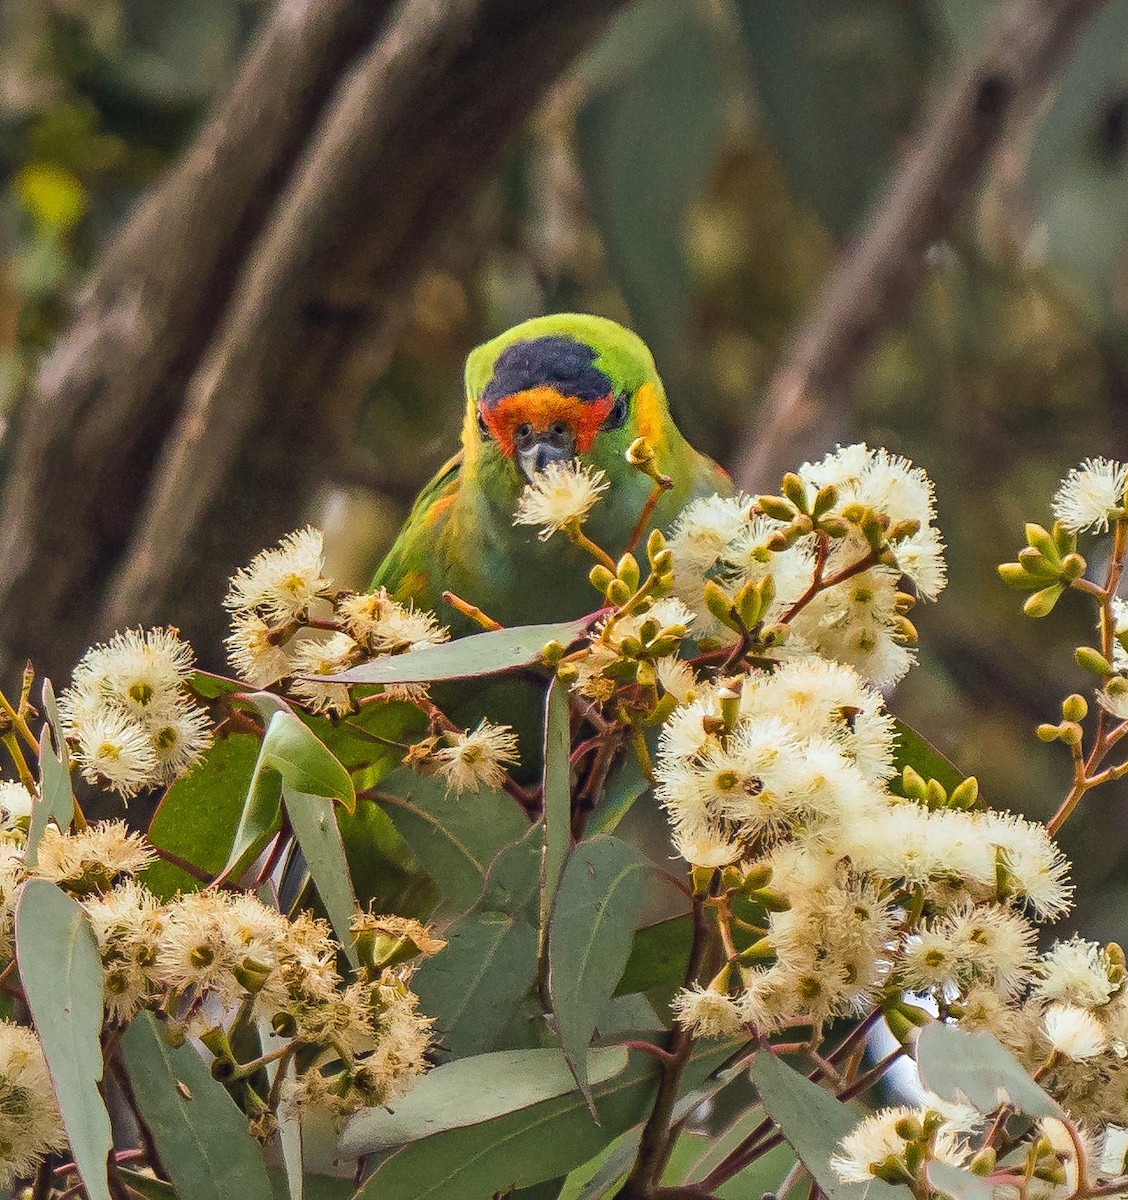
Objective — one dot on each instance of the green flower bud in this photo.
(1073, 566)
(617, 592)
(1041, 603)
(628, 571)
(1089, 659)
(965, 794)
(1015, 575)
(795, 490)
(912, 783)
(655, 544)
(935, 795)
(600, 578)
(1047, 733)
(663, 562)
(1041, 539)
(775, 507)
(825, 499)
(1074, 708)
(1071, 733)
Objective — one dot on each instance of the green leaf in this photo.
(199, 814)
(360, 742)
(513, 880)
(838, 85)
(289, 1121)
(473, 987)
(304, 763)
(603, 1175)
(56, 800)
(589, 938)
(974, 1069)
(646, 141)
(51, 710)
(61, 973)
(291, 761)
(211, 687)
(557, 796)
(958, 1183)
(622, 790)
(659, 956)
(913, 751)
(314, 823)
(455, 838)
(468, 657)
(385, 873)
(201, 1135)
(472, 1091)
(813, 1122)
(522, 1148)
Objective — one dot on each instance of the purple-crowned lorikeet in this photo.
(548, 390)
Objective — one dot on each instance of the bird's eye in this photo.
(617, 417)
(483, 428)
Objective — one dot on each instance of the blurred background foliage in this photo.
(693, 177)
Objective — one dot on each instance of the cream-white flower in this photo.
(15, 804)
(707, 1013)
(477, 757)
(1076, 972)
(30, 1126)
(1091, 494)
(1073, 1032)
(281, 583)
(115, 749)
(256, 657)
(562, 494)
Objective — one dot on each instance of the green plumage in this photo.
(460, 534)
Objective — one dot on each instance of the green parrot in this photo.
(548, 390)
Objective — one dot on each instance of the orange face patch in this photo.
(541, 407)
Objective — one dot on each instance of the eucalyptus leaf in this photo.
(472, 1091)
(813, 1122)
(958, 1183)
(467, 658)
(61, 973)
(201, 1135)
(200, 813)
(659, 956)
(454, 838)
(55, 801)
(474, 986)
(972, 1068)
(314, 823)
(525, 1147)
(557, 795)
(589, 938)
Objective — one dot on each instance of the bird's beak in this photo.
(542, 449)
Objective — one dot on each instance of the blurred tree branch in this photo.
(877, 276)
(207, 368)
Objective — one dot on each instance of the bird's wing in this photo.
(403, 570)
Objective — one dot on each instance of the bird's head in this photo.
(560, 387)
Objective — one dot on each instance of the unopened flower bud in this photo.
(775, 507)
(965, 794)
(639, 452)
(1089, 659)
(1073, 566)
(1074, 708)
(600, 577)
(628, 571)
(1047, 732)
(1042, 602)
(794, 489)
(1071, 733)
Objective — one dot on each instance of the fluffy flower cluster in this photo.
(209, 953)
(893, 1143)
(30, 1126)
(561, 495)
(859, 619)
(273, 598)
(129, 714)
(783, 778)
